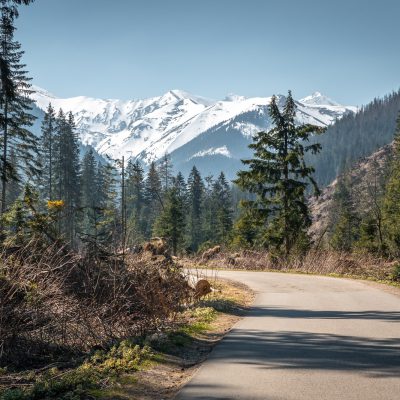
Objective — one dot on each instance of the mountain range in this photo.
(211, 134)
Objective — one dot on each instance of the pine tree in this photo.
(179, 183)
(246, 229)
(106, 211)
(135, 194)
(15, 186)
(15, 104)
(209, 211)
(279, 176)
(165, 172)
(67, 173)
(47, 153)
(367, 240)
(195, 201)
(90, 194)
(153, 198)
(345, 221)
(171, 223)
(223, 208)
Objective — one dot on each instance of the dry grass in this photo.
(186, 346)
(132, 369)
(364, 266)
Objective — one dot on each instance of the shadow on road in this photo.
(314, 351)
(277, 312)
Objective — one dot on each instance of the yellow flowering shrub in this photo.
(55, 204)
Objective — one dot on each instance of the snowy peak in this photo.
(177, 122)
(40, 92)
(318, 99)
(234, 97)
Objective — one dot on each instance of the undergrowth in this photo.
(104, 372)
(101, 370)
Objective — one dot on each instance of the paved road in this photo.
(306, 337)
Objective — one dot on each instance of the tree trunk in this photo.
(4, 172)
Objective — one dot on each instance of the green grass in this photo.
(75, 384)
(115, 366)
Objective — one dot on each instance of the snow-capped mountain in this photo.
(211, 134)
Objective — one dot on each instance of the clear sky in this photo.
(346, 49)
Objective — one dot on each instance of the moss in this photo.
(127, 357)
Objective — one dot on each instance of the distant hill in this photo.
(355, 136)
(366, 177)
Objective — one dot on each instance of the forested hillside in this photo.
(355, 136)
(364, 182)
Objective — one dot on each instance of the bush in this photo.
(396, 273)
(55, 302)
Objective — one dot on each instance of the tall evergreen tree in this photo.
(208, 213)
(90, 194)
(179, 183)
(135, 198)
(345, 221)
(15, 186)
(47, 153)
(222, 208)
(153, 198)
(246, 229)
(67, 173)
(165, 172)
(15, 104)
(107, 216)
(195, 201)
(171, 222)
(279, 176)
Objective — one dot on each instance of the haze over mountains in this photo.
(194, 130)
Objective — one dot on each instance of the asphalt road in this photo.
(306, 337)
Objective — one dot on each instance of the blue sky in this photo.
(348, 50)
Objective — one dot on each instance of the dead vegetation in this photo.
(54, 302)
(361, 265)
(157, 246)
(112, 327)
(211, 253)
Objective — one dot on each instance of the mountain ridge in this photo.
(146, 129)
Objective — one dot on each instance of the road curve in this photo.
(306, 337)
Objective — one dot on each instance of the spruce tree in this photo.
(246, 229)
(165, 172)
(135, 194)
(15, 185)
(15, 104)
(106, 211)
(153, 198)
(67, 173)
(279, 176)
(47, 153)
(90, 194)
(179, 183)
(209, 211)
(344, 218)
(171, 223)
(195, 202)
(222, 205)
